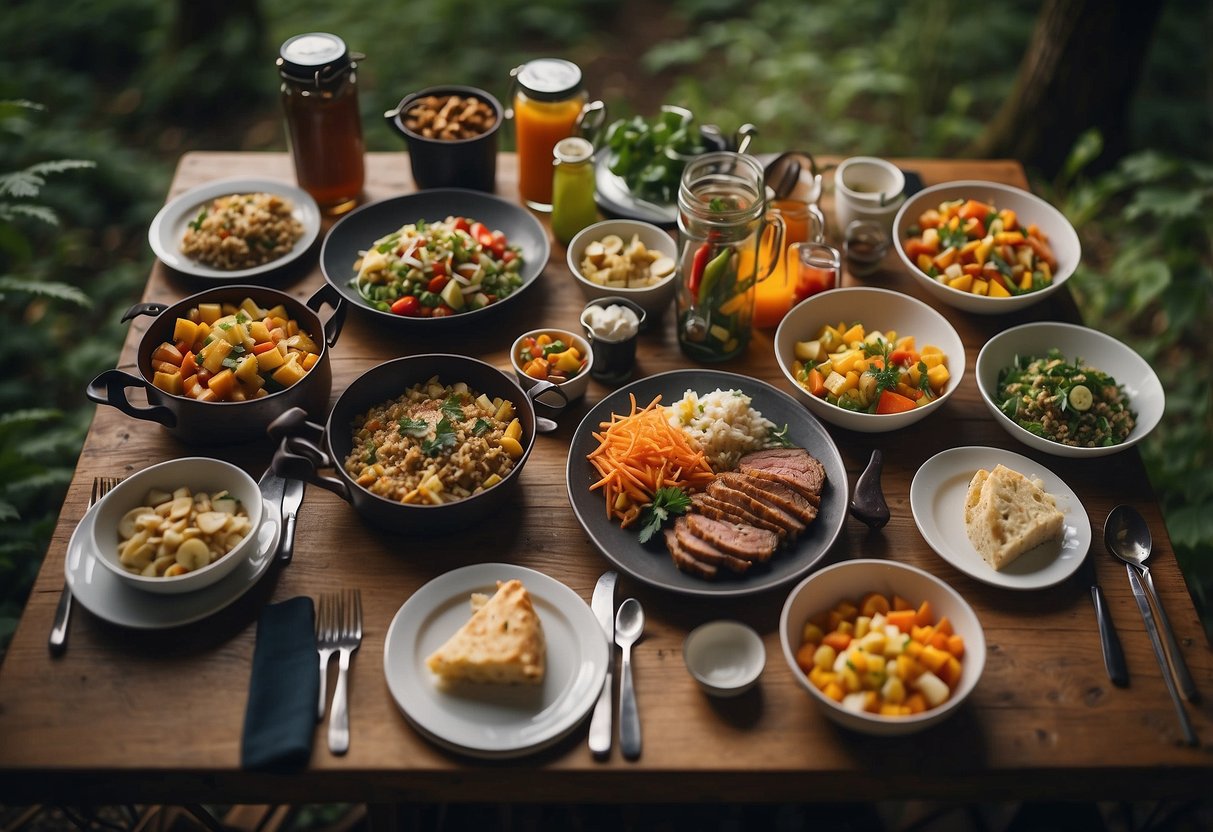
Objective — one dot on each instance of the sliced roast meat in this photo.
(744, 541)
(775, 493)
(704, 551)
(709, 506)
(684, 561)
(799, 471)
(755, 506)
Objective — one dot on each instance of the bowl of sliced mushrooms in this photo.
(178, 526)
(625, 258)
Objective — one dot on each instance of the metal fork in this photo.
(58, 640)
(326, 643)
(349, 637)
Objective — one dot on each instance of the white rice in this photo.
(724, 425)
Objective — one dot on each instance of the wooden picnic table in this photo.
(136, 716)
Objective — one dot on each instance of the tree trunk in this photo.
(1079, 71)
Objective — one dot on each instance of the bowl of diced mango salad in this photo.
(219, 366)
(883, 647)
(984, 247)
(869, 359)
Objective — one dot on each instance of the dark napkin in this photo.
(280, 720)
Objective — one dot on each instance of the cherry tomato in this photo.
(443, 311)
(438, 267)
(407, 305)
(508, 255)
(461, 224)
(437, 283)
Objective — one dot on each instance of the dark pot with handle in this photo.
(198, 422)
(306, 447)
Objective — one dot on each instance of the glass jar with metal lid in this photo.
(324, 127)
(548, 98)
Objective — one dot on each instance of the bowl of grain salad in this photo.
(425, 443)
(234, 229)
(1068, 390)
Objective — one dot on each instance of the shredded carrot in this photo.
(641, 452)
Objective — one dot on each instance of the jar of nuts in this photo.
(451, 134)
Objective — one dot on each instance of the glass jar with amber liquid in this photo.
(323, 125)
(547, 98)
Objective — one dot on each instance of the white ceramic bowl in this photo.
(876, 309)
(852, 579)
(576, 386)
(724, 657)
(1100, 351)
(198, 474)
(653, 299)
(1028, 208)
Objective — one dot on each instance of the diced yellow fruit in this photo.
(931, 359)
(820, 678)
(208, 313)
(938, 377)
(185, 330)
(505, 410)
(1025, 282)
(514, 430)
(511, 446)
(569, 361)
(259, 332)
(168, 382)
(292, 328)
(246, 370)
(997, 290)
(269, 361)
(980, 287)
(289, 373)
(222, 383)
(808, 350)
(251, 309)
(925, 262)
(214, 353)
(834, 691)
(309, 361)
(964, 283)
(491, 480)
(854, 333)
(845, 361)
(945, 258)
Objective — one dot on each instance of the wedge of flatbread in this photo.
(1006, 514)
(502, 643)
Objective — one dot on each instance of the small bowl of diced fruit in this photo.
(556, 355)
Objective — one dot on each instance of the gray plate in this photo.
(357, 230)
(651, 562)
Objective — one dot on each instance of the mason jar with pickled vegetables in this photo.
(548, 98)
(722, 222)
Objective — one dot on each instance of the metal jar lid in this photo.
(314, 58)
(573, 150)
(549, 79)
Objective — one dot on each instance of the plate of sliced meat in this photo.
(761, 493)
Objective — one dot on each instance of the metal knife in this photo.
(1113, 653)
(271, 486)
(291, 500)
(603, 605)
(1147, 615)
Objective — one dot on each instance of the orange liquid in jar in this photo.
(776, 295)
(538, 126)
(325, 135)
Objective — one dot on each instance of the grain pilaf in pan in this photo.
(240, 231)
(435, 444)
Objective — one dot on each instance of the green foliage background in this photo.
(124, 87)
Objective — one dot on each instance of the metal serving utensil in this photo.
(629, 624)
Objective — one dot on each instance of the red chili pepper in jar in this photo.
(698, 264)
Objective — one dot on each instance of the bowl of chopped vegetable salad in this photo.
(435, 259)
(984, 247)
(1068, 390)
(869, 360)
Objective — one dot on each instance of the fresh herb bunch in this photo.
(666, 502)
(650, 156)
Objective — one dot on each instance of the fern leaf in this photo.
(20, 183)
(57, 291)
(8, 512)
(11, 210)
(59, 166)
(30, 416)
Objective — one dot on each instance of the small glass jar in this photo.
(573, 206)
(323, 125)
(548, 98)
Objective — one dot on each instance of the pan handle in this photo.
(138, 309)
(302, 466)
(328, 295)
(543, 425)
(110, 388)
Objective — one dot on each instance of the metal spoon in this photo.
(1128, 537)
(629, 624)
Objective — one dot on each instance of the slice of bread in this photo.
(502, 643)
(1006, 514)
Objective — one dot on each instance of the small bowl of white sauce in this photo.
(611, 325)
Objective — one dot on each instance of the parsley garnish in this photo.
(444, 438)
(780, 437)
(413, 427)
(556, 346)
(196, 224)
(452, 409)
(668, 500)
(481, 427)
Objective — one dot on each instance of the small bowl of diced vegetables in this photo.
(868, 359)
(984, 247)
(882, 647)
(1068, 390)
(556, 355)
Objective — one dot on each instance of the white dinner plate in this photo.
(168, 228)
(495, 720)
(104, 595)
(937, 498)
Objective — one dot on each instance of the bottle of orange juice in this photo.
(548, 98)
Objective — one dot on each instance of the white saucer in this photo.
(100, 592)
(495, 721)
(937, 498)
(168, 228)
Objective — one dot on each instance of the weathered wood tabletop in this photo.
(156, 716)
